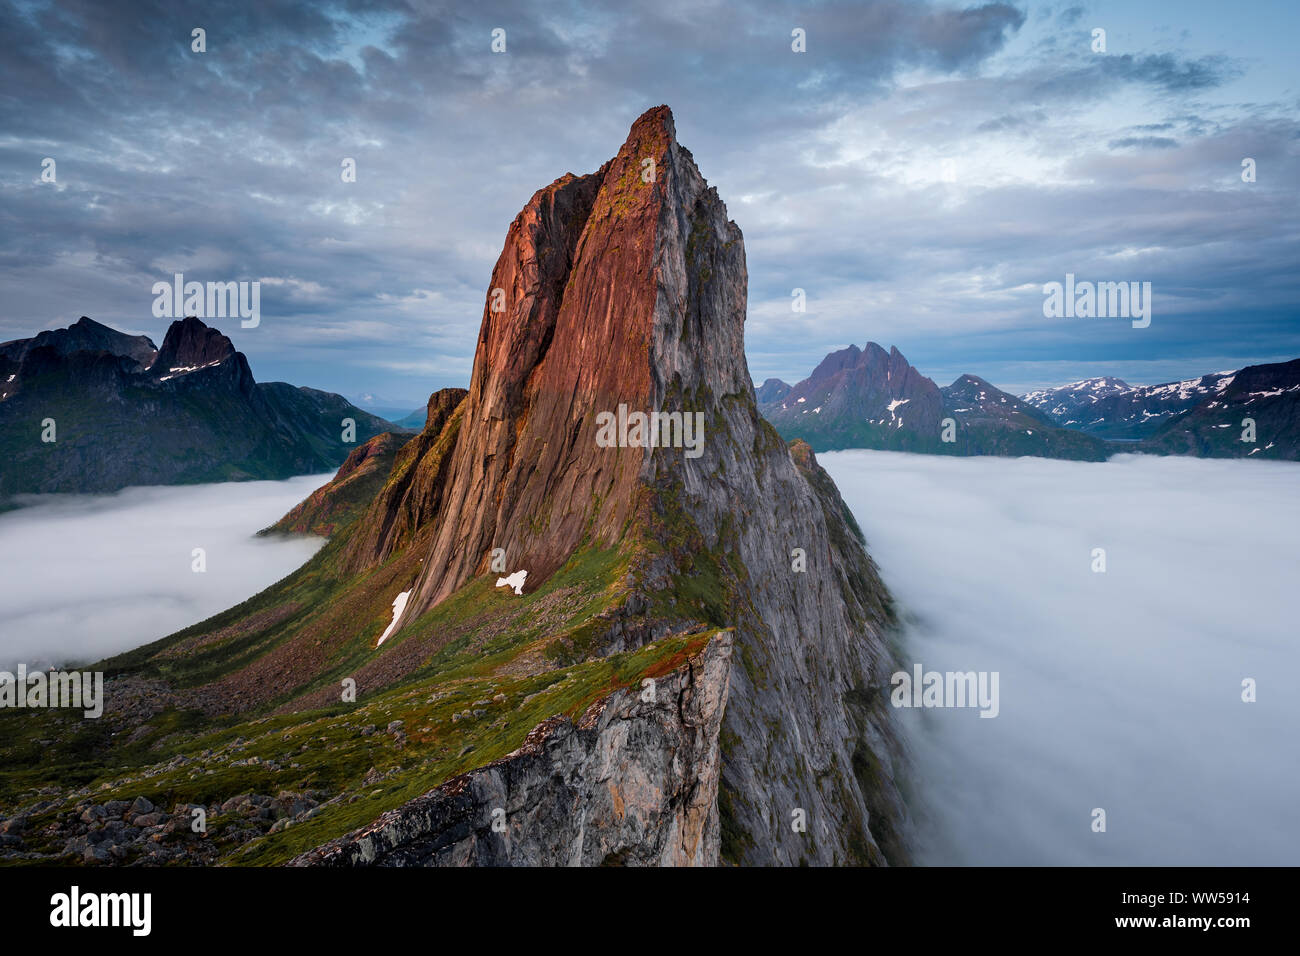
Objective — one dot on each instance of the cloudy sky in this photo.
(921, 171)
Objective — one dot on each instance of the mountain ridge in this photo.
(870, 398)
(88, 409)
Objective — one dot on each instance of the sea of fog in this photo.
(87, 576)
(1120, 690)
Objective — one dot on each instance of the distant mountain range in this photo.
(870, 398)
(1204, 416)
(121, 411)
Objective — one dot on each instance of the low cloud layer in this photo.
(1120, 690)
(88, 576)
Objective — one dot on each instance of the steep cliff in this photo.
(628, 288)
(691, 666)
(633, 782)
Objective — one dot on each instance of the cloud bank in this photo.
(89, 576)
(1118, 690)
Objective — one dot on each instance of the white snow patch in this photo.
(515, 581)
(399, 605)
(185, 369)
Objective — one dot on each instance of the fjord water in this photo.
(87, 576)
(1119, 690)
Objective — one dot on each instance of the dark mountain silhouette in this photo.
(122, 412)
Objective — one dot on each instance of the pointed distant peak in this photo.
(86, 324)
(896, 357)
(191, 344)
(654, 125)
(836, 362)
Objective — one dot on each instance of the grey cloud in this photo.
(1143, 142)
(230, 160)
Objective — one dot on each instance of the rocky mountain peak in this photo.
(617, 294)
(836, 362)
(190, 345)
(578, 324)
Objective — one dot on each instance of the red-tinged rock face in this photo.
(577, 294)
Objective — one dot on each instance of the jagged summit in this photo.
(625, 289)
(190, 344)
(712, 563)
(590, 288)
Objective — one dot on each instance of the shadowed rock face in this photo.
(84, 335)
(190, 344)
(413, 492)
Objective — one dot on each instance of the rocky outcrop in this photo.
(412, 493)
(632, 783)
(353, 488)
(190, 345)
(575, 292)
